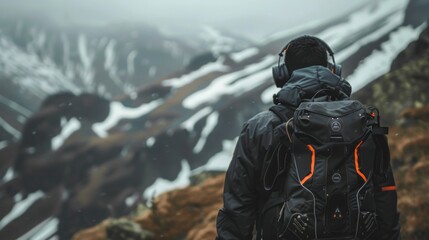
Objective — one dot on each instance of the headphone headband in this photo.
(281, 74)
(326, 46)
(320, 41)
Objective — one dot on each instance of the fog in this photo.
(249, 18)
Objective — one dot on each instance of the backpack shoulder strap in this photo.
(283, 112)
(382, 147)
(276, 157)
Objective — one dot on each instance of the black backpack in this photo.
(321, 174)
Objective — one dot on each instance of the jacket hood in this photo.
(306, 82)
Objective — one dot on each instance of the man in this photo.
(248, 207)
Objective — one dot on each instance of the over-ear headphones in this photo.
(281, 74)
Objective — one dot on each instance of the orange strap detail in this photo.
(388, 188)
(313, 161)
(357, 162)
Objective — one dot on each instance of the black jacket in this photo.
(244, 195)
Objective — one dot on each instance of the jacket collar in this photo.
(306, 82)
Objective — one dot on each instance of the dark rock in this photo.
(124, 229)
(406, 87)
(200, 61)
(90, 107)
(416, 12)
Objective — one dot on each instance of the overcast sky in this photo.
(254, 19)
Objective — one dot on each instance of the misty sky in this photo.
(250, 18)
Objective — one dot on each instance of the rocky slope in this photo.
(409, 143)
(402, 97)
(406, 86)
(188, 213)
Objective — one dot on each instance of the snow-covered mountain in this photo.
(82, 157)
(39, 58)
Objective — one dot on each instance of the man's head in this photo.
(305, 51)
(302, 52)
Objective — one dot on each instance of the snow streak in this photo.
(220, 161)
(20, 207)
(118, 111)
(378, 63)
(202, 71)
(190, 122)
(6, 126)
(42, 231)
(227, 84)
(211, 123)
(67, 130)
(162, 185)
(243, 55)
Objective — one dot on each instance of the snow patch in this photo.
(6, 126)
(68, 128)
(109, 53)
(378, 63)
(42, 231)
(218, 41)
(86, 58)
(227, 84)
(150, 141)
(190, 123)
(211, 123)
(243, 55)
(66, 55)
(9, 175)
(17, 197)
(130, 62)
(162, 185)
(118, 111)
(129, 201)
(20, 207)
(391, 23)
(110, 63)
(152, 71)
(220, 161)
(21, 119)
(3, 144)
(22, 110)
(202, 71)
(267, 94)
(362, 20)
(28, 72)
(251, 82)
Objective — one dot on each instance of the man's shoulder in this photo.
(263, 119)
(261, 115)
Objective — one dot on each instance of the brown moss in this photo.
(188, 213)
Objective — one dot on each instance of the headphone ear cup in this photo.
(338, 69)
(280, 75)
(335, 69)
